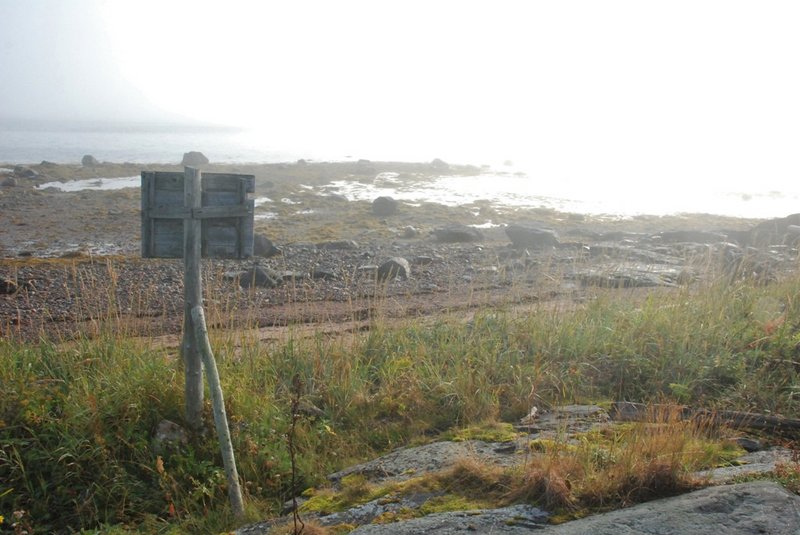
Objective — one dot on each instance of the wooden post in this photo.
(192, 297)
(220, 418)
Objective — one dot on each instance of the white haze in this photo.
(626, 98)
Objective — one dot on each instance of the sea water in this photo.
(501, 183)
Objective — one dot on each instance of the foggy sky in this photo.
(689, 90)
(57, 64)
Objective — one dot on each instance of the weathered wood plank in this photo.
(228, 182)
(147, 223)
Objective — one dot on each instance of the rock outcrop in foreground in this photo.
(743, 509)
(746, 508)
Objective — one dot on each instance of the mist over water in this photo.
(505, 179)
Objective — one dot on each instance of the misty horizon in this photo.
(632, 95)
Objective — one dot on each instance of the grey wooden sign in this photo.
(225, 212)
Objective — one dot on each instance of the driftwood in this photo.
(627, 411)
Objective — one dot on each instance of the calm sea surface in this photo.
(501, 183)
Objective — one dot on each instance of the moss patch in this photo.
(489, 432)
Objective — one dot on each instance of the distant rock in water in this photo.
(194, 158)
(90, 161)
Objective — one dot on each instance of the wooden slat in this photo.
(225, 214)
(228, 182)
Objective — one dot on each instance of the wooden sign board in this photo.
(226, 215)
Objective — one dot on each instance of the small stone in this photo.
(263, 247)
(168, 435)
(394, 268)
(323, 274)
(8, 287)
(261, 277)
(750, 445)
(410, 232)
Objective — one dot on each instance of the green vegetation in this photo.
(77, 419)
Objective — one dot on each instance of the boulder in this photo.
(192, 158)
(259, 276)
(8, 287)
(9, 182)
(25, 172)
(90, 161)
(773, 231)
(263, 247)
(530, 237)
(394, 268)
(457, 233)
(743, 509)
(384, 206)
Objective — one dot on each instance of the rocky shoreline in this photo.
(70, 260)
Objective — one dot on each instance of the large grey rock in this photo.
(773, 231)
(524, 236)
(744, 509)
(405, 463)
(384, 206)
(757, 462)
(25, 172)
(514, 519)
(194, 158)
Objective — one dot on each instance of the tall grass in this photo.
(77, 420)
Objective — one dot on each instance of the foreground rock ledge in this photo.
(746, 508)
